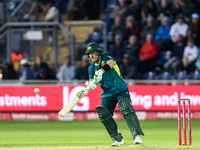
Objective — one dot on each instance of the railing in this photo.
(8, 30)
(18, 13)
(91, 23)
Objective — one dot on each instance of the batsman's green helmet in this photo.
(92, 47)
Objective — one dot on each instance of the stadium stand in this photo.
(72, 37)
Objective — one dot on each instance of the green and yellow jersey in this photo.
(112, 81)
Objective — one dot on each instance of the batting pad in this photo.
(109, 123)
(131, 118)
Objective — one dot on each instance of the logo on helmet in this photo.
(89, 48)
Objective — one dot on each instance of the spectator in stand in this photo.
(148, 55)
(43, 5)
(162, 36)
(67, 70)
(187, 9)
(28, 9)
(190, 55)
(149, 28)
(95, 36)
(173, 64)
(127, 69)
(117, 28)
(194, 30)
(82, 71)
(41, 69)
(178, 28)
(133, 49)
(149, 9)
(52, 14)
(16, 56)
(132, 27)
(25, 72)
(8, 71)
(165, 9)
(175, 10)
(120, 9)
(134, 10)
(118, 49)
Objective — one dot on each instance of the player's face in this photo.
(93, 56)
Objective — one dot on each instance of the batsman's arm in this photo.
(110, 63)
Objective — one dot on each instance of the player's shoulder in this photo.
(107, 54)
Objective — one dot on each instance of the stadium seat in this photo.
(165, 76)
(149, 76)
(182, 75)
(194, 75)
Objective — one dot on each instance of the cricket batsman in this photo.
(105, 70)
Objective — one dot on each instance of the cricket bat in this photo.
(72, 103)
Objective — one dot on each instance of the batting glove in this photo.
(90, 86)
(98, 76)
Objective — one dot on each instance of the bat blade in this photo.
(72, 103)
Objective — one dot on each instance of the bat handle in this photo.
(95, 76)
(86, 89)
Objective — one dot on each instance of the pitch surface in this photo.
(57, 135)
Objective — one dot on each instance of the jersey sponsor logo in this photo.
(89, 48)
(103, 62)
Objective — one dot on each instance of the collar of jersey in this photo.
(99, 62)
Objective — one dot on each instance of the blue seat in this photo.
(165, 76)
(190, 76)
(182, 75)
(149, 76)
(196, 75)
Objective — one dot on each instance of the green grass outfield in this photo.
(34, 135)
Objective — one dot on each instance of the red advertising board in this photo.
(53, 98)
(163, 97)
(23, 98)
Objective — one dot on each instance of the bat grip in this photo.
(86, 89)
(94, 79)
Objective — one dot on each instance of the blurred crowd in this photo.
(157, 39)
(154, 39)
(41, 71)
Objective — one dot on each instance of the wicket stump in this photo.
(183, 100)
